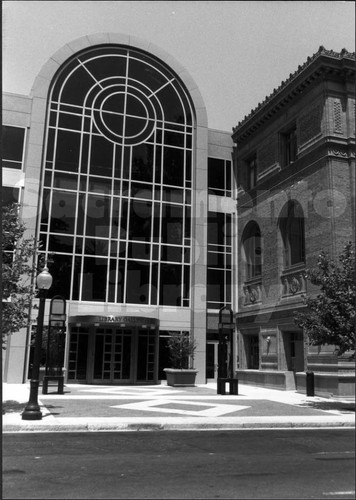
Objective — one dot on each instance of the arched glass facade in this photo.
(117, 185)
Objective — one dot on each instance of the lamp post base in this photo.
(32, 410)
(31, 414)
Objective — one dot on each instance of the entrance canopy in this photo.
(123, 321)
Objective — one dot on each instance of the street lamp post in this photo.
(32, 410)
(225, 352)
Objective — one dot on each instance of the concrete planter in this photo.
(180, 378)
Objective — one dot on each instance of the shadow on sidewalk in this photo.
(342, 406)
(13, 407)
(16, 407)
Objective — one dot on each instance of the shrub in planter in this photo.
(181, 350)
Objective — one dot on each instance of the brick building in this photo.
(295, 164)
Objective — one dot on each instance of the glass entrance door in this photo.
(113, 356)
(146, 356)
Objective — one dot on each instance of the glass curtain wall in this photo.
(219, 237)
(117, 186)
(219, 260)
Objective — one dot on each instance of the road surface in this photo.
(246, 464)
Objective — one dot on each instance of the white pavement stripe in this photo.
(215, 410)
(133, 391)
(144, 397)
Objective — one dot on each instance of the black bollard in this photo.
(310, 383)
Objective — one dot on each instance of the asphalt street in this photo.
(248, 464)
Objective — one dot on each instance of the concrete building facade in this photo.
(108, 157)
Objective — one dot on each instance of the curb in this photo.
(156, 428)
(177, 425)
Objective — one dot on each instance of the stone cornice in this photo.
(262, 313)
(322, 64)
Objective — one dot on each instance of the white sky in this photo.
(237, 51)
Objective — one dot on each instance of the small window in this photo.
(289, 146)
(9, 195)
(252, 172)
(219, 177)
(13, 139)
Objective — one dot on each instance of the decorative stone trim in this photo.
(337, 117)
(269, 171)
(253, 293)
(240, 192)
(341, 153)
(293, 282)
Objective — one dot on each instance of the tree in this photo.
(18, 270)
(329, 318)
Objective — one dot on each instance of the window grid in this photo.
(61, 179)
(219, 269)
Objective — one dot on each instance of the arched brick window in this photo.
(291, 224)
(252, 250)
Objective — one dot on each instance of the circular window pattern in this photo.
(127, 94)
(124, 114)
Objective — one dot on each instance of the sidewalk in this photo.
(161, 407)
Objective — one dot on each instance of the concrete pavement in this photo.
(161, 407)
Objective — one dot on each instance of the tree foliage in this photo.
(18, 269)
(329, 318)
(181, 348)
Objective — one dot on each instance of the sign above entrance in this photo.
(126, 320)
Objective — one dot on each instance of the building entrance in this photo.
(113, 354)
(294, 351)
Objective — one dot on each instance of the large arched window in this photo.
(117, 184)
(252, 250)
(291, 225)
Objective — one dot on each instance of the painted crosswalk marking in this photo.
(133, 391)
(181, 407)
